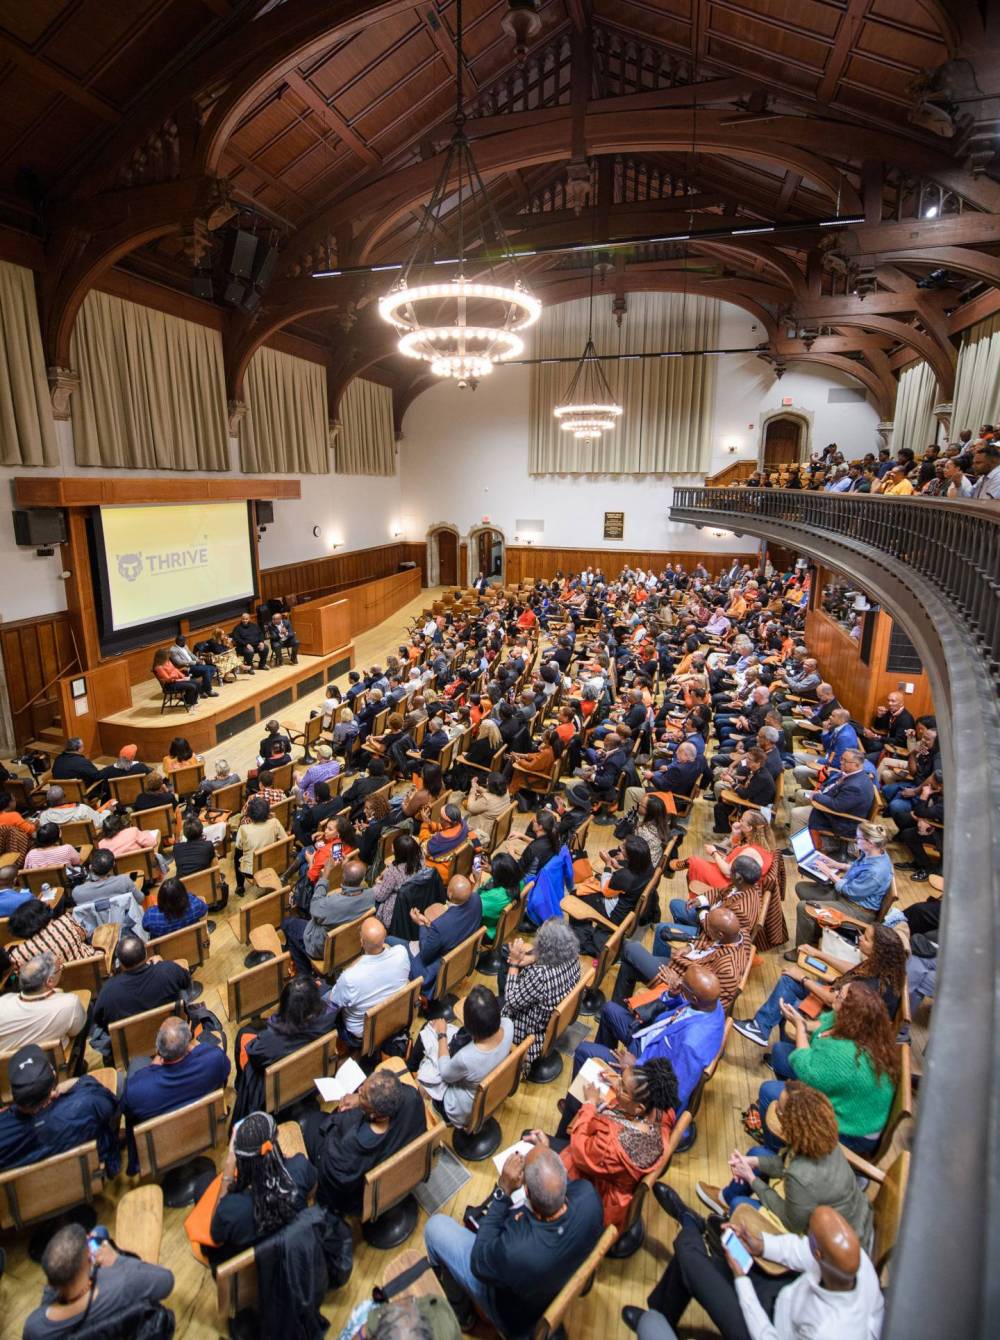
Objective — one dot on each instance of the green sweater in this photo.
(861, 1100)
(494, 899)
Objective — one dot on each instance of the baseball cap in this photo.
(31, 1075)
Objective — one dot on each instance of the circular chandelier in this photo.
(588, 408)
(465, 326)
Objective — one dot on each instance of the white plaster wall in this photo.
(464, 454)
(355, 511)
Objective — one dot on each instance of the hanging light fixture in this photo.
(464, 326)
(588, 408)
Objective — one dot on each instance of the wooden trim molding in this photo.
(86, 491)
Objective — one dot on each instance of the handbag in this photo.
(627, 825)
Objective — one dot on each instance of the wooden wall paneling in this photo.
(321, 576)
(859, 687)
(524, 561)
(35, 652)
(108, 690)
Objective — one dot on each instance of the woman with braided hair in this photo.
(614, 1140)
(261, 1190)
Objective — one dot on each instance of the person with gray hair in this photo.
(839, 736)
(224, 776)
(105, 1292)
(182, 1071)
(519, 1260)
(534, 977)
(40, 1012)
(58, 810)
(73, 764)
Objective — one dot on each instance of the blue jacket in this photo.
(156, 1089)
(851, 795)
(835, 741)
(553, 880)
(87, 1112)
(688, 1038)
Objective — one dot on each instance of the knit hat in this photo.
(31, 1076)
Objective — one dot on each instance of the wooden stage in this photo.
(212, 721)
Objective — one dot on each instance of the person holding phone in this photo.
(835, 1292)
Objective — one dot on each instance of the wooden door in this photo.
(781, 441)
(447, 557)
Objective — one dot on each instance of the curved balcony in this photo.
(936, 566)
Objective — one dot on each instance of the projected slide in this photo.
(165, 560)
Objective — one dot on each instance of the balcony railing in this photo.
(936, 566)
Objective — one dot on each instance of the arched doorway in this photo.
(487, 553)
(784, 437)
(442, 555)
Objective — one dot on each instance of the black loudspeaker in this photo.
(264, 265)
(265, 513)
(240, 251)
(201, 284)
(40, 526)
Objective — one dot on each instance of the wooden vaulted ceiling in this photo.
(130, 131)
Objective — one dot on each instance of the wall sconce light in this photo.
(720, 534)
(733, 448)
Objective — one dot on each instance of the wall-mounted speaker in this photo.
(40, 526)
(265, 513)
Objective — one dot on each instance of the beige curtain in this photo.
(913, 420)
(152, 394)
(27, 432)
(667, 402)
(977, 380)
(366, 440)
(286, 429)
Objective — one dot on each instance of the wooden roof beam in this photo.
(331, 118)
(52, 78)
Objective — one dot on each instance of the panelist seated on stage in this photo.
(249, 641)
(189, 664)
(170, 677)
(281, 635)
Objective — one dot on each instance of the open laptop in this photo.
(805, 853)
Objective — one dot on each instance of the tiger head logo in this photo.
(129, 566)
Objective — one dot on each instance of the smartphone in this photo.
(736, 1249)
(336, 851)
(817, 964)
(477, 864)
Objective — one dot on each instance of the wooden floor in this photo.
(595, 1317)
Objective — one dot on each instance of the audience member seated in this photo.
(327, 909)
(499, 886)
(520, 1258)
(141, 982)
(260, 1191)
(882, 968)
(849, 794)
(182, 1071)
(722, 946)
(851, 1055)
(46, 1118)
(223, 776)
(485, 803)
(377, 818)
(452, 1060)
(11, 893)
(120, 837)
(616, 896)
(381, 970)
(442, 930)
(810, 1169)
(50, 850)
(407, 862)
(58, 810)
(73, 763)
(194, 852)
(615, 1137)
(302, 1017)
(260, 830)
(534, 978)
(39, 1011)
(102, 882)
(835, 1292)
(249, 641)
(99, 1288)
(324, 769)
(751, 835)
(174, 909)
(684, 1025)
(37, 928)
(156, 794)
(856, 889)
(367, 1128)
(742, 895)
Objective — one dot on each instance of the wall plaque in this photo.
(614, 525)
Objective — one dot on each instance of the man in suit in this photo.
(839, 736)
(679, 776)
(890, 726)
(462, 916)
(849, 794)
(281, 634)
(826, 705)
